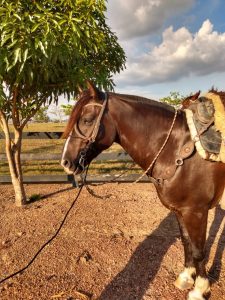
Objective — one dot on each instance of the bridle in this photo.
(93, 135)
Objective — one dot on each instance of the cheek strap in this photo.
(92, 137)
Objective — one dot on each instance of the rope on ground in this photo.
(46, 243)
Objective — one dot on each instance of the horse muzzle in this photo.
(77, 166)
(72, 167)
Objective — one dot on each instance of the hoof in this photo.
(195, 295)
(184, 283)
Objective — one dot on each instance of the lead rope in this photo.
(48, 241)
(83, 177)
(91, 191)
(160, 150)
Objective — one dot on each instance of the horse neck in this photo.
(141, 128)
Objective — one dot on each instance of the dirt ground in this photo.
(123, 247)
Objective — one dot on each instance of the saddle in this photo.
(206, 122)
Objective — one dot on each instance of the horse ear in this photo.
(80, 89)
(92, 89)
(195, 96)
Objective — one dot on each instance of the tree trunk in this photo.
(20, 198)
(13, 151)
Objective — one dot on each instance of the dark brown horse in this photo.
(158, 139)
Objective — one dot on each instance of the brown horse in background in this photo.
(158, 139)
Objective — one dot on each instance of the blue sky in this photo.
(171, 45)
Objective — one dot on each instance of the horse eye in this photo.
(87, 121)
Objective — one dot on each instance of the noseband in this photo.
(92, 137)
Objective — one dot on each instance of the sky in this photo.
(171, 45)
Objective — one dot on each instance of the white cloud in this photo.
(135, 18)
(180, 54)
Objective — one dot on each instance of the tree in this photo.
(174, 99)
(57, 112)
(67, 108)
(48, 48)
(42, 115)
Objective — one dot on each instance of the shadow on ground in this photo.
(215, 269)
(133, 281)
(39, 197)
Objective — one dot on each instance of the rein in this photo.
(160, 150)
(91, 139)
(47, 242)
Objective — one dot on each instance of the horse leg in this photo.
(185, 279)
(222, 201)
(195, 221)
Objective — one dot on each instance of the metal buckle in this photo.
(82, 158)
(179, 161)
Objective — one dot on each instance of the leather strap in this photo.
(93, 135)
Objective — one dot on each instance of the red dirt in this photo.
(125, 247)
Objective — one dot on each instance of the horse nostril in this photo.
(65, 163)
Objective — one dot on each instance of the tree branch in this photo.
(33, 112)
(15, 114)
(1, 122)
(5, 126)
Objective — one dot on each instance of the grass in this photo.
(47, 146)
(56, 146)
(43, 127)
(37, 146)
(53, 167)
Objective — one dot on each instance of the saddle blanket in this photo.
(206, 122)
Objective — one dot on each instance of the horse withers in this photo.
(158, 139)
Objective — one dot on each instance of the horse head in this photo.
(88, 132)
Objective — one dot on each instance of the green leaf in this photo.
(17, 16)
(17, 54)
(62, 22)
(5, 38)
(48, 49)
(35, 27)
(12, 44)
(36, 42)
(38, 6)
(21, 68)
(56, 23)
(42, 48)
